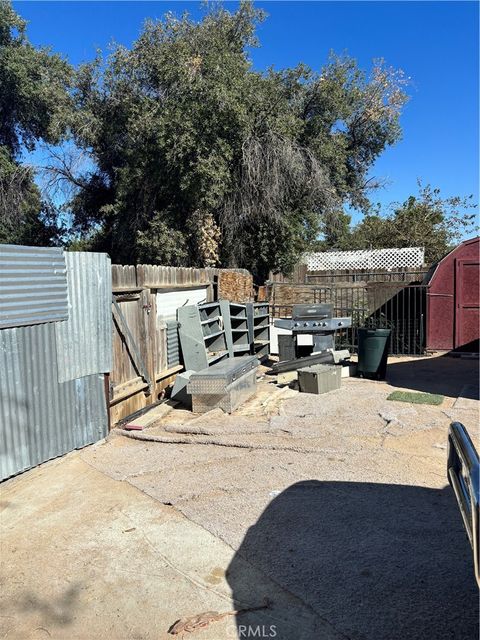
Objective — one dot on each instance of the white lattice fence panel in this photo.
(387, 259)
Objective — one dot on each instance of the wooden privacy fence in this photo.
(301, 275)
(146, 353)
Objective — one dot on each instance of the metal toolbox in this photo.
(234, 395)
(226, 384)
(320, 378)
(219, 376)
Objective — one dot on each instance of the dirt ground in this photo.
(335, 508)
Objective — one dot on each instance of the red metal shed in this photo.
(453, 300)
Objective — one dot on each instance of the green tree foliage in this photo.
(33, 104)
(186, 137)
(425, 220)
(336, 231)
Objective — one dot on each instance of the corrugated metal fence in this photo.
(52, 393)
(72, 328)
(33, 285)
(85, 338)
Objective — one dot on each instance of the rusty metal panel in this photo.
(33, 285)
(85, 340)
(41, 418)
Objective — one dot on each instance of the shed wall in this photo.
(443, 299)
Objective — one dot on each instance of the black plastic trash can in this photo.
(372, 353)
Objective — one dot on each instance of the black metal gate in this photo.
(402, 309)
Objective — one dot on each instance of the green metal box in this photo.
(320, 378)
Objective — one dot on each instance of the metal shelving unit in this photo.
(258, 317)
(202, 335)
(235, 323)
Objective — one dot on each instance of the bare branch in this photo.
(65, 172)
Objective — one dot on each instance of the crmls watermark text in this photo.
(257, 631)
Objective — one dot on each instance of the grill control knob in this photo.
(340, 324)
(305, 324)
(296, 324)
(324, 324)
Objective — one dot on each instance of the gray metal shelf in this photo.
(207, 336)
(201, 346)
(237, 338)
(259, 333)
(217, 356)
(210, 320)
(241, 348)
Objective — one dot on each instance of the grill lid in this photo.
(308, 311)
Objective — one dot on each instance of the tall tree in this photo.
(336, 231)
(33, 103)
(424, 220)
(188, 141)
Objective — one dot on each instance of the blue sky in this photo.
(436, 43)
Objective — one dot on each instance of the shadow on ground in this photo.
(446, 375)
(53, 610)
(376, 561)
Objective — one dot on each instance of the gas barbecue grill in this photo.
(316, 320)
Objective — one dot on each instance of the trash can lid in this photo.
(375, 332)
(382, 332)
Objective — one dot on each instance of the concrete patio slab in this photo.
(350, 530)
(84, 556)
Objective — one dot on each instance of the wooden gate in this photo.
(139, 371)
(142, 339)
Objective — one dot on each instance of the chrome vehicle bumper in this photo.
(463, 472)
